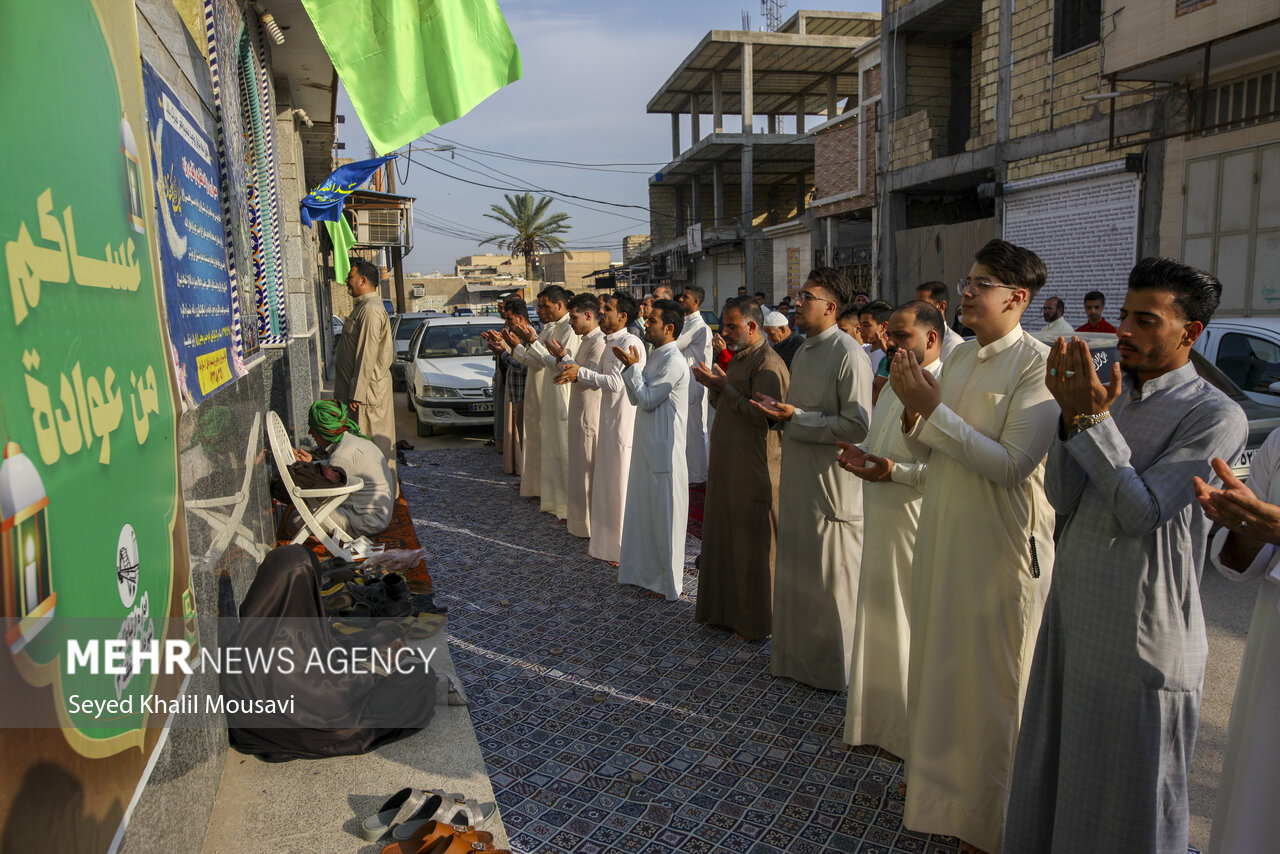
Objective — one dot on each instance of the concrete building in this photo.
(710, 206)
(573, 269)
(1217, 203)
(997, 124)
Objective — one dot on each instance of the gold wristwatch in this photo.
(1084, 422)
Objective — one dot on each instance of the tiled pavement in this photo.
(611, 722)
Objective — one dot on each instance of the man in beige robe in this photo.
(513, 336)
(612, 467)
(553, 400)
(984, 550)
(740, 523)
(815, 587)
(892, 484)
(584, 409)
(363, 361)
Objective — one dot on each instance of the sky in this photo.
(590, 67)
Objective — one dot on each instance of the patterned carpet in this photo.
(611, 722)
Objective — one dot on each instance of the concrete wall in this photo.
(557, 267)
(1144, 30)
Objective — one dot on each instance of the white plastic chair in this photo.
(225, 515)
(314, 522)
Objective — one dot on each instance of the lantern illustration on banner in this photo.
(29, 598)
(132, 174)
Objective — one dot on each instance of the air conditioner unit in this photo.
(378, 228)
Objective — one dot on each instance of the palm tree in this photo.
(532, 233)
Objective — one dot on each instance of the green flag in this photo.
(412, 65)
(342, 239)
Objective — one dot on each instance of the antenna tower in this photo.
(772, 12)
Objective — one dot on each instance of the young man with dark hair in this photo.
(983, 550)
(584, 409)
(873, 325)
(1094, 303)
(820, 507)
(548, 448)
(612, 464)
(695, 343)
(938, 295)
(657, 511)
(362, 373)
(1118, 667)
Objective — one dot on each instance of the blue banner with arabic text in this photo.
(193, 245)
(326, 201)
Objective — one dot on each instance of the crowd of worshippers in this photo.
(881, 499)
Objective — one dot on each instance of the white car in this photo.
(1246, 349)
(450, 374)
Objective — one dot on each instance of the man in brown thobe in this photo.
(363, 361)
(740, 522)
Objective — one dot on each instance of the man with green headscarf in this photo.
(367, 510)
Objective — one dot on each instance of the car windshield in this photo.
(408, 326)
(460, 340)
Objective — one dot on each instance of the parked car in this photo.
(450, 373)
(462, 311)
(1246, 349)
(402, 328)
(337, 327)
(711, 318)
(1263, 416)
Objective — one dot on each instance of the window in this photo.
(1251, 363)
(1076, 23)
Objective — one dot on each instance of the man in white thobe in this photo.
(695, 344)
(584, 409)
(815, 582)
(984, 550)
(656, 519)
(553, 400)
(617, 422)
(892, 485)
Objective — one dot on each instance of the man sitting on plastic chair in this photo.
(366, 511)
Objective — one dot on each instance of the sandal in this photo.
(427, 835)
(454, 809)
(430, 809)
(423, 626)
(395, 809)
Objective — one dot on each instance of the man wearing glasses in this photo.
(984, 550)
(815, 587)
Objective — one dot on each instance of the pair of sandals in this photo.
(418, 818)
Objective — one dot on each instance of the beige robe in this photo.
(583, 432)
(975, 603)
(815, 583)
(613, 449)
(531, 459)
(740, 519)
(363, 372)
(877, 703)
(553, 412)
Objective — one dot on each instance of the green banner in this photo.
(412, 65)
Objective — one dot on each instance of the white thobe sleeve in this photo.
(522, 355)
(650, 393)
(850, 423)
(1023, 442)
(909, 474)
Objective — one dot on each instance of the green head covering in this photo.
(330, 419)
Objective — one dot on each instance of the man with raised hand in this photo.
(1116, 678)
(584, 409)
(657, 514)
(815, 582)
(984, 550)
(739, 530)
(553, 400)
(892, 486)
(695, 344)
(617, 423)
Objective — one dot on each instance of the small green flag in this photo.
(412, 65)
(342, 239)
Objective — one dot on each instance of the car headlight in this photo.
(439, 391)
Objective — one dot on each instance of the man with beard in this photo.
(584, 409)
(363, 361)
(739, 528)
(892, 486)
(657, 514)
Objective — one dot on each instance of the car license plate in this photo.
(481, 407)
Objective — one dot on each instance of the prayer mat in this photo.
(697, 501)
(400, 534)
